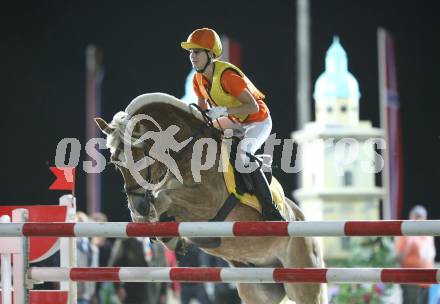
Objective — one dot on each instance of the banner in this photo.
(390, 122)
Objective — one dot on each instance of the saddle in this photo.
(258, 189)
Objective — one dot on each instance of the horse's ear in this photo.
(103, 125)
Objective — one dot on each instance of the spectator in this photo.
(224, 293)
(156, 257)
(171, 261)
(104, 246)
(191, 291)
(131, 252)
(415, 252)
(87, 256)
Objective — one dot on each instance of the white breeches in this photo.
(253, 134)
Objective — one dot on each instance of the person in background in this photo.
(129, 253)
(87, 256)
(104, 246)
(171, 261)
(156, 257)
(132, 252)
(190, 291)
(224, 293)
(415, 252)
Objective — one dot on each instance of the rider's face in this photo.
(198, 58)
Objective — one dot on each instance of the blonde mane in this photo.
(121, 119)
(162, 98)
(118, 124)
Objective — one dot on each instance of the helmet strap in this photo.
(202, 70)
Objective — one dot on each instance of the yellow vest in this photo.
(218, 95)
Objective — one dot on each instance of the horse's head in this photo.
(131, 138)
(128, 156)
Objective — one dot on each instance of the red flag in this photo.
(65, 178)
(231, 51)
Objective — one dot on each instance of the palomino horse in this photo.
(192, 199)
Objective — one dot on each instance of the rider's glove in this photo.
(217, 112)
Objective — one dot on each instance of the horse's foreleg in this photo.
(261, 293)
(304, 253)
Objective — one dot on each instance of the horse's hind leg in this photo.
(261, 293)
(304, 253)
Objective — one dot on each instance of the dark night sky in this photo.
(43, 75)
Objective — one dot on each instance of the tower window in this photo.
(329, 109)
(343, 109)
(348, 178)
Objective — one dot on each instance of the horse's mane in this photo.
(140, 104)
(149, 99)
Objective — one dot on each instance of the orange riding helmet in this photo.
(206, 39)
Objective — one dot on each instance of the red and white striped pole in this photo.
(225, 229)
(243, 275)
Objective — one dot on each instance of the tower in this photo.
(337, 153)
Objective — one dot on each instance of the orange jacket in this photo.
(416, 252)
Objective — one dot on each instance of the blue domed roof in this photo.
(336, 82)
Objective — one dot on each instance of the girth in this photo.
(222, 214)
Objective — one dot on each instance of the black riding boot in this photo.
(262, 191)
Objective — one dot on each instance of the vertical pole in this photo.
(21, 261)
(68, 248)
(303, 62)
(6, 271)
(94, 76)
(381, 52)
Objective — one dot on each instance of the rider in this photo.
(235, 103)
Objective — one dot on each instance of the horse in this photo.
(155, 193)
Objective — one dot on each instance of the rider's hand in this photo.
(217, 112)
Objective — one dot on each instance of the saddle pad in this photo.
(247, 198)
